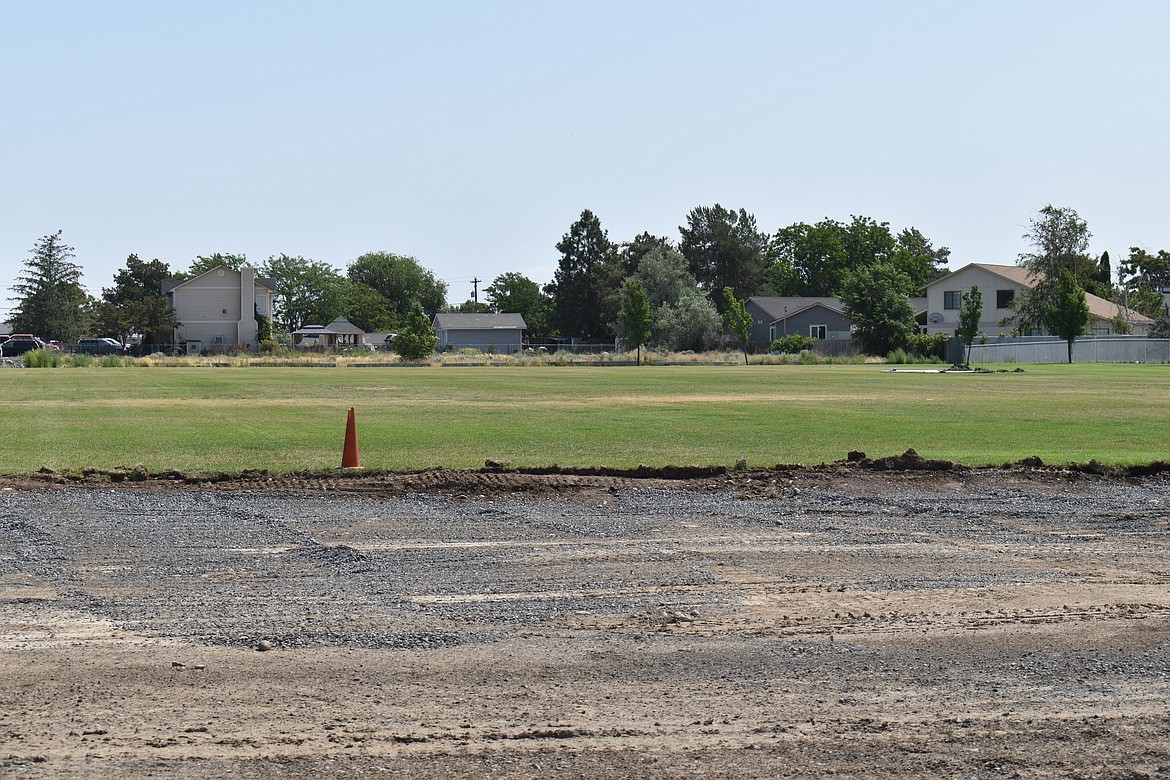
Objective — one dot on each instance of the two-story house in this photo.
(999, 285)
(218, 309)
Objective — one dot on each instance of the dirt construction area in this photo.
(832, 622)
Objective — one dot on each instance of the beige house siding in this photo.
(993, 280)
(218, 308)
(989, 283)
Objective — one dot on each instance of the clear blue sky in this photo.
(472, 134)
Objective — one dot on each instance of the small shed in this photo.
(502, 333)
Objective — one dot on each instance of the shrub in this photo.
(809, 358)
(42, 358)
(927, 346)
(111, 361)
(81, 360)
(793, 344)
(898, 356)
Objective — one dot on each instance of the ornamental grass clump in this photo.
(42, 358)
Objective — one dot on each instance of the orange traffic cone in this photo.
(349, 456)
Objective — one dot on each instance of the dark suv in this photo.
(102, 346)
(19, 344)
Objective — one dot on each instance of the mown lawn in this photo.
(288, 419)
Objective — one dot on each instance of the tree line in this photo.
(871, 267)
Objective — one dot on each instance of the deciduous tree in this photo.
(1066, 314)
(690, 323)
(136, 304)
(737, 319)
(635, 317)
(514, 293)
(970, 312)
(1060, 242)
(307, 291)
(876, 299)
(204, 263)
(401, 280)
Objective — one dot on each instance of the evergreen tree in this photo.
(416, 339)
(724, 249)
(50, 301)
(581, 278)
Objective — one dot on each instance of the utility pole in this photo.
(475, 289)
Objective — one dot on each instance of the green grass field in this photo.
(289, 419)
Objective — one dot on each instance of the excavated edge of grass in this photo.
(441, 480)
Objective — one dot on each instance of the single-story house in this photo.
(999, 285)
(819, 318)
(339, 334)
(815, 317)
(218, 309)
(502, 333)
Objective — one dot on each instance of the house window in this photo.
(771, 333)
(817, 331)
(952, 299)
(1004, 298)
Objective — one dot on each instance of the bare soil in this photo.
(858, 620)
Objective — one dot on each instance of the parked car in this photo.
(100, 346)
(20, 343)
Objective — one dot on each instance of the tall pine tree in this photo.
(50, 301)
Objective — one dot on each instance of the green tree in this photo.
(692, 322)
(1101, 282)
(307, 291)
(514, 293)
(580, 281)
(50, 301)
(632, 252)
(471, 307)
(815, 259)
(415, 339)
(808, 259)
(401, 280)
(136, 304)
(204, 263)
(1060, 242)
(635, 317)
(914, 255)
(1142, 277)
(876, 299)
(724, 248)
(1161, 327)
(365, 307)
(737, 319)
(970, 312)
(664, 275)
(1066, 313)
